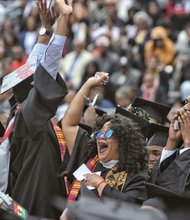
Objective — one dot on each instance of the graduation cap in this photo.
(20, 80)
(158, 135)
(156, 111)
(88, 208)
(176, 205)
(154, 190)
(185, 101)
(86, 127)
(99, 111)
(142, 123)
(10, 209)
(5, 215)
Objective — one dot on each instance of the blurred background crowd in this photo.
(143, 44)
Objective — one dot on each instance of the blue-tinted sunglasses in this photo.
(106, 134)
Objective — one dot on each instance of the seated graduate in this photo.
(35, 151)
(158, 135)
(174, 168)
(116, 148)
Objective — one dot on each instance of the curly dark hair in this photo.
(132, 152)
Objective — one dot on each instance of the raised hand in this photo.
(48, 14)
(174, 136)
(184, 121)
(64, 9)
(100, 78)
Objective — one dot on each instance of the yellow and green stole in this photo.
(60, 138)
(116, 179)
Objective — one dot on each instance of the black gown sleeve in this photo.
(78, 155)
(42, 101)
(176, 176)
(160, 168)
(165, 164)
(135, 190)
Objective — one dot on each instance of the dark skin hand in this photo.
(174, 136)
(184, 121)
(48, 15)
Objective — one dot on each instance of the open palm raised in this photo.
(64, 8)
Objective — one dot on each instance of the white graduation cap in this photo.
(18, 75)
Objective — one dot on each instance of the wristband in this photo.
(87, 99)
(98, 185)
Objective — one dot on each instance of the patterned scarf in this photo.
(116, 179)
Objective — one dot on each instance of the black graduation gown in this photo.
(173, 173)
(134, 188)
(35, 154)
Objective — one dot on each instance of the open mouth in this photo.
(102, 147)
(151, 165)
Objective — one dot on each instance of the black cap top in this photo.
(158, 135)
(158, 112)
(99, 111)
(86, 127)
(154, 190)
(142, 123)
(177, 206)
(89, 208)
(185, 101)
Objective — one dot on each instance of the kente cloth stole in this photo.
(11, 206)
(60, 138)
(73, 190)
(116, 179)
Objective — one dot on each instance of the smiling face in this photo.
(154, 152)
(108, 149)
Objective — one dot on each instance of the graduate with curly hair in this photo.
(116, 149)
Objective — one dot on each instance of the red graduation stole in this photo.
(73, 190)
(8, 130)
(60, 138)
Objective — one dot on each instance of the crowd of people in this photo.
(142, 44)
(95, 109)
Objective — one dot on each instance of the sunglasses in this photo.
(186, 101)
(107, 134)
